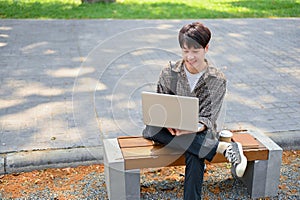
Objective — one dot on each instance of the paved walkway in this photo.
(67, 84)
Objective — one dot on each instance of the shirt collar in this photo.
(210, 71)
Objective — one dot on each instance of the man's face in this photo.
(193, 57)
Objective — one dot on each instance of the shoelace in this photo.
(231, 156)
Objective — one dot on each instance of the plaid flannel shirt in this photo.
(210, 90)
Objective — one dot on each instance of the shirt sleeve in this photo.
(164, 81)
(211, 104)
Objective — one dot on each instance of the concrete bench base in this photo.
(261, 177)
(120, 183)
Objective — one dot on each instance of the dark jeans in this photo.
(197, 147)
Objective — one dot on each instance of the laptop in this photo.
(170, 111)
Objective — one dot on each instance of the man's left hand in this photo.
(178, 132)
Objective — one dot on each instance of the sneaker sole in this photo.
(240, 169)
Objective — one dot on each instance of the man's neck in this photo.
(198, 69)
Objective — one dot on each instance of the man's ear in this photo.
(206, 48)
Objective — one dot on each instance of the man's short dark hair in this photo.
(194, 35)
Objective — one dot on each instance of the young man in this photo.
(193, 76)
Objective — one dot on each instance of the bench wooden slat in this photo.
(129, 141)
(136, 158)
(149, 151)
(247, 140)
(142, 153)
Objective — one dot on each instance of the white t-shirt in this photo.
(193, 78)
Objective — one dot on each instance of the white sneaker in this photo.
(234, 154)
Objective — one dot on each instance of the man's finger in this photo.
(171, 131)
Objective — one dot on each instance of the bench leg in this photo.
(132, 181)
(120, 183)
(262, 176)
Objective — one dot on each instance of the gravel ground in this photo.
(87, 182)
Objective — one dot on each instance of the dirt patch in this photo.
(62, 183)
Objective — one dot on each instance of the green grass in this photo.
(149, 9)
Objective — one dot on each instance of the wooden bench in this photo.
(125, 156)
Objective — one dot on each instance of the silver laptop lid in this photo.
(170, 111)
